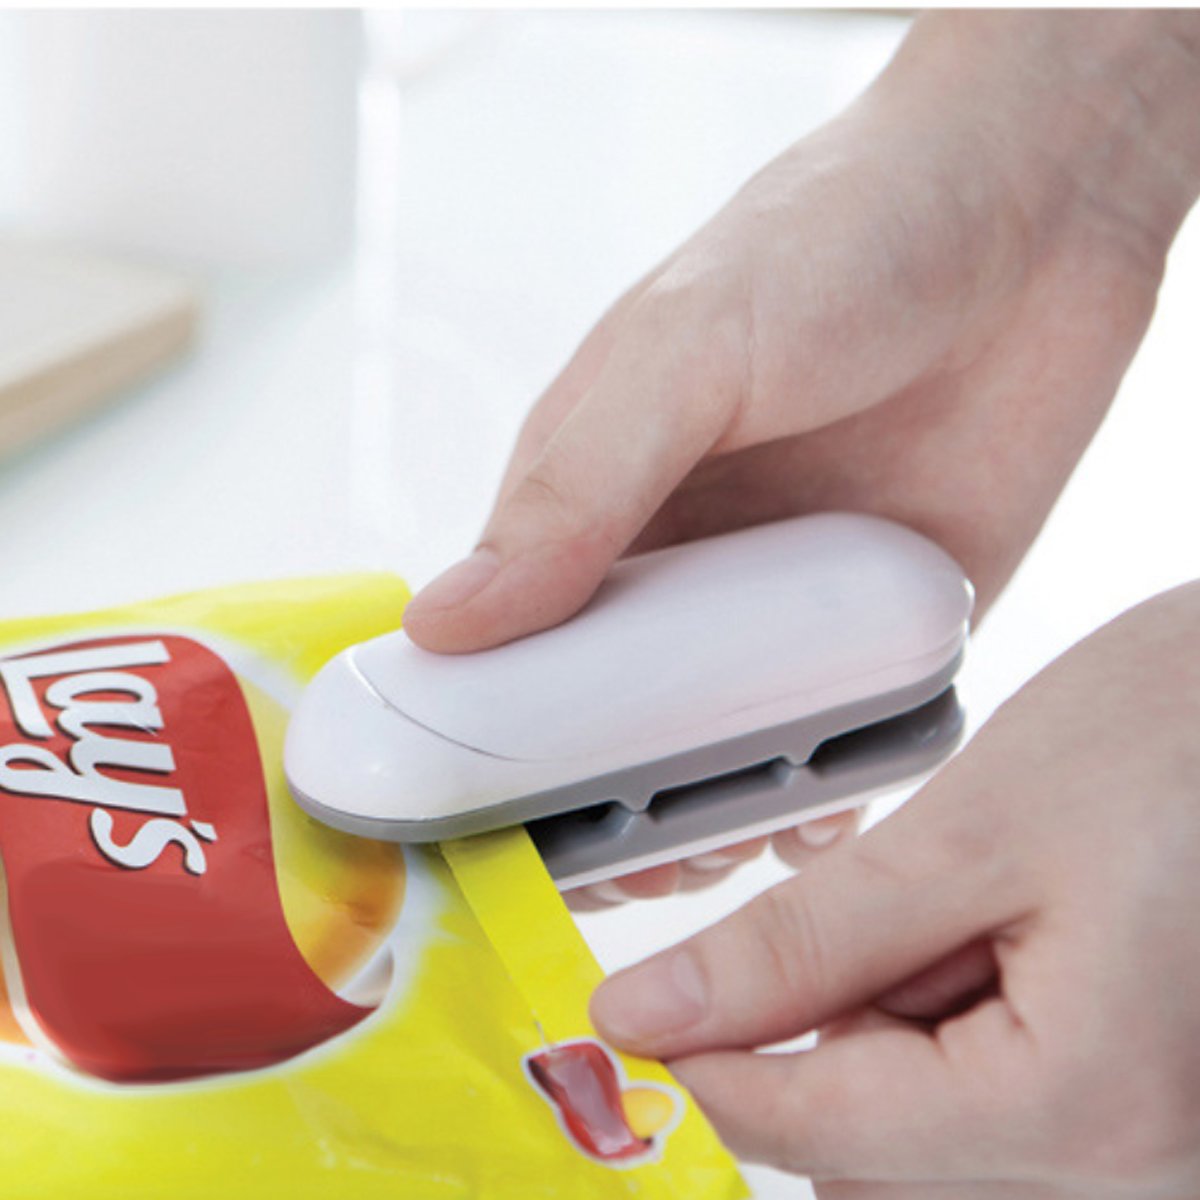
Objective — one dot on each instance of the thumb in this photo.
(861, 920)
(666, 392)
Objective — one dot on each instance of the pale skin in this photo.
(923, 310)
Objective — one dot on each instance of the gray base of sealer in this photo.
(596, 826)
(605, 840)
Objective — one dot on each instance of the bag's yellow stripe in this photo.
(503, 879)
(515, 900)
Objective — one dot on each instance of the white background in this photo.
(517, 172)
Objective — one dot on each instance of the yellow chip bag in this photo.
(207, 993)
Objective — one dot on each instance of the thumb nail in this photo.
(663, 995)
(460, 582)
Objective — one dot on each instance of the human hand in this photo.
(795, 847)
(1007, 971)
(922, 311)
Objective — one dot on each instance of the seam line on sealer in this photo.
(437, 733)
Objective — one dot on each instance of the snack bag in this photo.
(204, 992)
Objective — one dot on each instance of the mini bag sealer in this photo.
(709, 693)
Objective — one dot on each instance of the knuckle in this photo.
(541, 489)
(560, 511)
(792, 939)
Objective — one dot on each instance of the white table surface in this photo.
(525, 169)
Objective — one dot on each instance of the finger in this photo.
(665, 394)
(727, 856)
(796, 846)
(693, 879)
(585, 900)
(543, 420)
(686, 875)
(856, 1023)
(947, 988)
(649, 884)
(570, 386)
(862, 918)
(704, 870)
(891, 1103)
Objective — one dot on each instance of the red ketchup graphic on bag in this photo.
(608, 1122)
(144, 911)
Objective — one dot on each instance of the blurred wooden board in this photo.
(75, 330)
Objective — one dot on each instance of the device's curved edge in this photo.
(345, 741)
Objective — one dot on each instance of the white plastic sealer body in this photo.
(709, 691)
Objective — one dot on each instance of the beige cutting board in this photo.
(76, 329)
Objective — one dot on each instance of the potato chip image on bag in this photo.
(203, 989)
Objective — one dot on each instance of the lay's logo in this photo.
(135, 838)
(116, 760)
